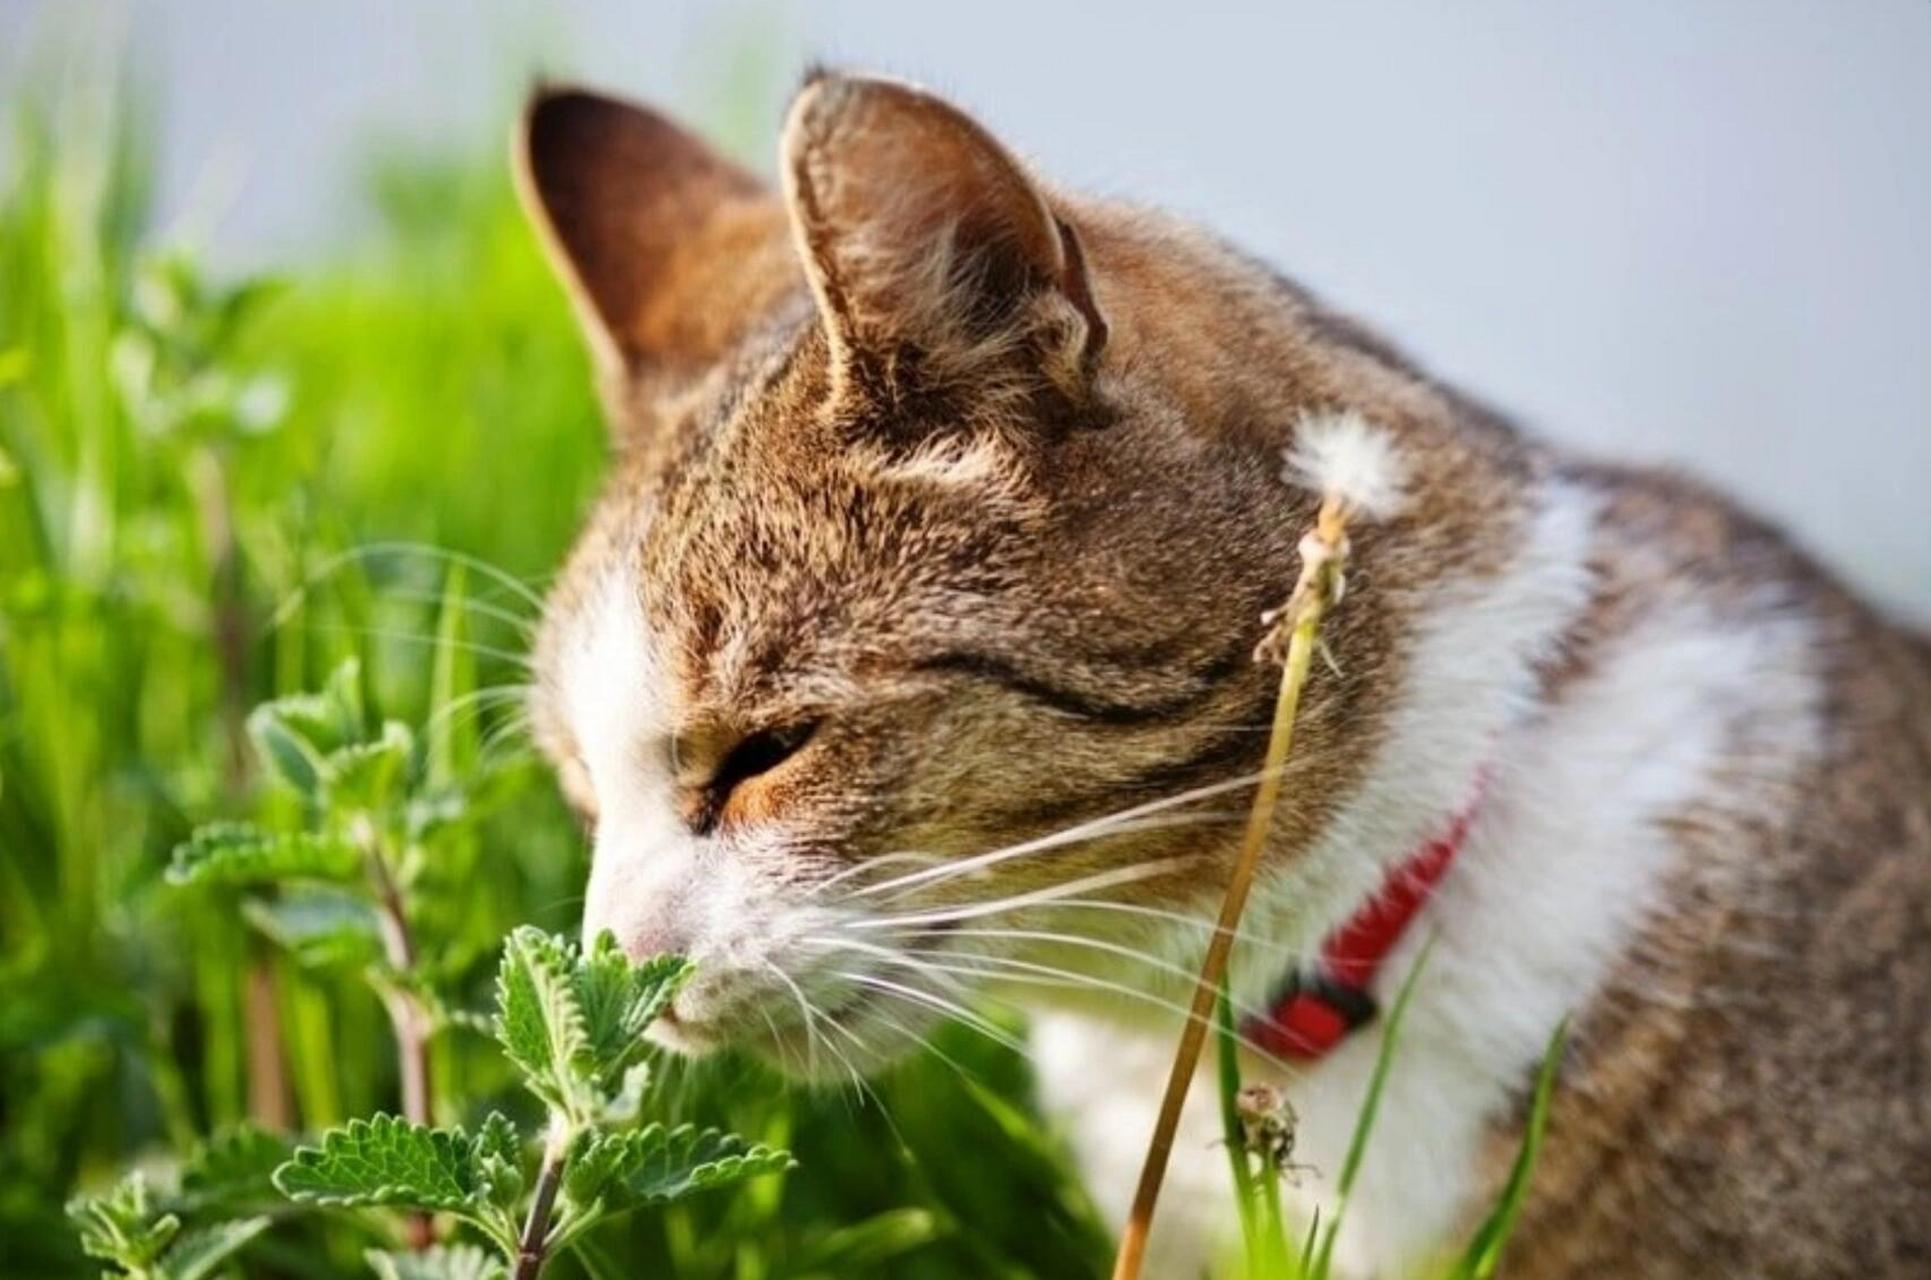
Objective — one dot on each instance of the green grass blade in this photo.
(1227, 1042)
(1308, 1244)
(452, 737)
(1370, 1108)
(1484, 1252)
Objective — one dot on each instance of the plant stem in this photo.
(1232, 1134)
(406, 1015)
(534, 1246)
(1322, 552)
(1270, 1259)
(207, 472)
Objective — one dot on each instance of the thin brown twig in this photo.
(1323, 553)
(534, 1245)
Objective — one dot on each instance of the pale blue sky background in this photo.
(1693, 230)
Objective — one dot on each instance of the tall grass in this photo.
(212, 492)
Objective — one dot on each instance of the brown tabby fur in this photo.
(984, 479)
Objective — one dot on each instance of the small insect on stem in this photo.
(1353, 466)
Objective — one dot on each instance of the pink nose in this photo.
(651, 931)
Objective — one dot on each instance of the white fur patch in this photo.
(614, 697)
(1564, 861)
(656, 884)
(1346, 455)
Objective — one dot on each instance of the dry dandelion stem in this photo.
(1291, 639)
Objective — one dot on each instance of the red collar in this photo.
(1319, 1005)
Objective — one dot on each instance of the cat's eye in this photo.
(755, 754)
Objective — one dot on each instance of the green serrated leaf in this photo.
(539, 1020)
(197, 1254)
(656, 1165)
(321, 928)
(233, 1172)
(388, 1161)
(296, 734)
(292, 757)
(574, 1024)
(439, 1262)
(241, 853)
(364, 775)
(620, 1000)
(335, 716)
(499, 1152)
(124, 1226)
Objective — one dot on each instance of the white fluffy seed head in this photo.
(1345, 455)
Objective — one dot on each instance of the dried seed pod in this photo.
(1267, 1122)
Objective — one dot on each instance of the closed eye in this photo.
(755, 754)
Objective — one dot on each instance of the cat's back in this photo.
(1752, 1096)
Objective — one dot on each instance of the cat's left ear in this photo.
(667, 249)
(933, 255)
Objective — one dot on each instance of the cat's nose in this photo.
(648, 889)
(642, 934)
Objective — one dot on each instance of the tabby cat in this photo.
(906, 661)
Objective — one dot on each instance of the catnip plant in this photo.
(572, 1022)
(339, 890)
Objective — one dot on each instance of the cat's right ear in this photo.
(668, 249)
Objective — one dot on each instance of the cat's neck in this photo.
(1477, 652)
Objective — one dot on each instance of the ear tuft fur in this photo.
(934, 256)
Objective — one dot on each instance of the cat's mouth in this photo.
(840, 1013)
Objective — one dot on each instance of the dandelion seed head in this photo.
(1345, 455)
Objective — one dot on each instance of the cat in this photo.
(907, 656)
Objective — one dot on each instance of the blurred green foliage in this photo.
(212, 493)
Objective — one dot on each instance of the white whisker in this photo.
(950, 1008)
(1091, 827)
(927, 1044)
(1103, 880)
(1072, 979)
(370, 550)
(477, 701)
(511, 656)
(1093, 944)
(523, 624)
(867, 864)
(1204, 924)
(812, 1039)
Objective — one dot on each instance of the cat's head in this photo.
(942, 511)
